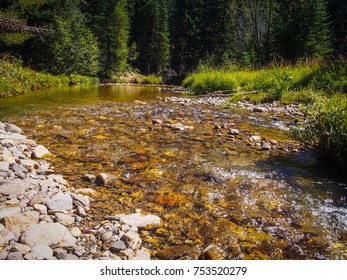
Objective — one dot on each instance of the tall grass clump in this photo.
(325, 129)
(210, 81)
(275, 83)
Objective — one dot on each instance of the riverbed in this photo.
(228, 183)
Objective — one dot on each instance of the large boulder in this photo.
(50, 234)
(60, 202)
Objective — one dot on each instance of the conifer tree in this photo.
(110, 23)
(150, 33)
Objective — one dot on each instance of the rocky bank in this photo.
(41, 217)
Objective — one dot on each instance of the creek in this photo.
(195, 167)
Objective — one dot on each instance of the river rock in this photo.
(42, 252)
(175, 252)
(234, 131)
(259, 109)
(6, 156)
(140, 221)
(105, 180)
(29, 164)
(8, 143)
(4, 212)
(13, 128)
(75, 232)
(60, 253)
(16, 187)
(42, 209)
(40, 151)
(4, 166)
(50, 234)
(132, 240)
(37, 199)
(143, 254)
(118, 246)
(13, 136)
(19, 222)
(89, 177)
(58, 179)
(60, 202)
(82, 199)
(64, 219)
(5, 237)
(14, 256)
(255, 139)
(87, 191)
(266, 146)
(21, 248)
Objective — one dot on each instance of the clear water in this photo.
(208, 187)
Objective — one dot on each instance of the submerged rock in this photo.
(105, 180)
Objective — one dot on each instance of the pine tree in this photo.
(338, 27)
(110, 23)
(150, 33)
(186, 31)
(301, 29)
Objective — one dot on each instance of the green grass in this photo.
(325, 129)
(273, 83)
(16, 79)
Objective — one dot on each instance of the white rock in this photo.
(75, 231)
(132, 240)
(42, 209)
(23, 249)
(64, 219)
(29, 164)
(13, 128)
(4, 166)
(60, 202)
(255, 139)
(40, 151)
(30, 256)
(141, 221)
(6, 156)
(143, 255)
(4, 212)
(50, 234)
(42, 252)
(58, 179)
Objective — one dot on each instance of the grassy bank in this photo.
(276, 83)
(16, 79)
(321, 86)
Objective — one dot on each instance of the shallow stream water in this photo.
(180, 162)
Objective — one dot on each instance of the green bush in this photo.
(326, 129)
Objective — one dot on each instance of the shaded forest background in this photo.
(169, 37)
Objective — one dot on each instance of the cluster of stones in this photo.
(210, 100)
(159, 123)
(41, 217)
(199, 100)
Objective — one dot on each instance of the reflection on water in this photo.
(208, 187)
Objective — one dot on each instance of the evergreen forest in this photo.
(169, 37)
